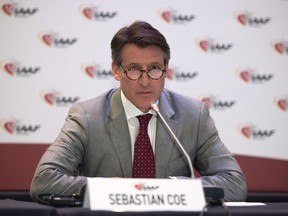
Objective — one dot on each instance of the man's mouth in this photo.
(145, 94)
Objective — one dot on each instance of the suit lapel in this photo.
(164, 142)
(118, 128)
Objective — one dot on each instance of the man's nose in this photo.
(144, 79)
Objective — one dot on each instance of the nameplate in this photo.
(122, 194)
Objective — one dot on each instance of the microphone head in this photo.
(154, 107)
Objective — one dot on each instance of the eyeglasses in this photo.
(134, 73)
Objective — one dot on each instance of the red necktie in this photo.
(144, 161)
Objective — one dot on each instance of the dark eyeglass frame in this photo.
(142, 71)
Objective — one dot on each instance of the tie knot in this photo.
(144, 119)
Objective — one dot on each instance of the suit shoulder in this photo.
(97, 103)
(182, 100)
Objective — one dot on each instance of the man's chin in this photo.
(145, 107)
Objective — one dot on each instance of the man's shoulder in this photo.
(96, 103)
(179, 99)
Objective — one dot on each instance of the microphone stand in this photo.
(213, 194)
(155, 108)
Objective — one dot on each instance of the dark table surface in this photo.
(11, 207)
(14, 208)
(268, 209)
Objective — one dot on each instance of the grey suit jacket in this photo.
(95, 142)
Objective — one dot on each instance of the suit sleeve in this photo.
(215, 163)
(57, 171)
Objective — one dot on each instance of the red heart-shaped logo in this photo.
(138, 187)
(283, 104)
(242, 18)
(280, 47)
(50, 98)
(88, 12)
(208, 101)
(90, 70)
(9, 126)
(246, 131)
(9, 68)
(8, 9)
(245, 75)
(204, 44)
(166, 15)
(48, 39)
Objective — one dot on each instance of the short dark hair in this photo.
(142, 34)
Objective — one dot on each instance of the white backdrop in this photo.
(231, 54)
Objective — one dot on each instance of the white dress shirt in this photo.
(131, 112)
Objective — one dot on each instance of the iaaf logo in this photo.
(250, 131)
(247, 19)
(92, 12)
(175, 73)
(53, 39)
(209, 45)
(213, 102)
(280, 46)
(171, 16)
(15, 68)
(143, 187)
(248, 75)
(13, 9)
(14, 126)
(281, 102)
(54, 98)
(93, 70)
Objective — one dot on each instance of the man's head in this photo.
(142, 34)
(140, 47)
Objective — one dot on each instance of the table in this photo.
(14, 208)
(275, 209)
(11, 207)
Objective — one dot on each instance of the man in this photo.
(97, 139)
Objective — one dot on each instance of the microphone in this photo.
(213, 194)
(155, 108)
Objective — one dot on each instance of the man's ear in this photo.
(115, 71)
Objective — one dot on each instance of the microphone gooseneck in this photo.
(155, 108)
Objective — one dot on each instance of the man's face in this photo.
(144, 90)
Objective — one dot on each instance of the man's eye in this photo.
(133, 69)
(154, 67)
